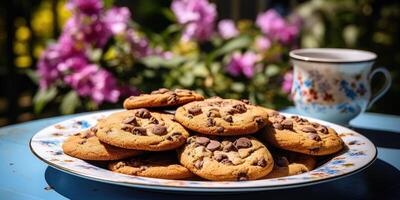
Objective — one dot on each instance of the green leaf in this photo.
(108, 3)
(70, 102)
(187, 79)
(234, 44)
(157, 62)
(272, 70)
(238, 87)
(168, 14)
(32, 75)
(43, 97)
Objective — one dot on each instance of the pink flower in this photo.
(227, 29)
(198, 17)
(262, 43)
(287, 82)
(242, 64)
(87, 7)
(94, 82)
(117, 19)
(276, 27)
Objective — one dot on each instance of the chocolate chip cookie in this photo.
(226, 158)
(142, 130)
(218, 116)
(300, 135)
(161, 98)
(155, 165)
(85, 145)
(291, 163)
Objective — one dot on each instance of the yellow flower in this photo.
(185, 48)
(23, 61)
(22, 33)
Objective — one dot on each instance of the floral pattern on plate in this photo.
(46, 145)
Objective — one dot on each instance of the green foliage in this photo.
(43, 97)
(70, 102)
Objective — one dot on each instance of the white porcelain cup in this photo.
(334, 84)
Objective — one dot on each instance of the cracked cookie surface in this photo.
(226, 158)
(291, 163)
(155, 165)
(223, 117)
(300, 135)
(141, 129)
(162, 98)
(85, 145)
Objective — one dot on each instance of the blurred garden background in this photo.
(61, 57)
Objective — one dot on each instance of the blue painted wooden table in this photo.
(23, 176)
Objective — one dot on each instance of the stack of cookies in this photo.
(214, 139)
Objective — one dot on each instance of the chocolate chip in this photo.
(287, 124)
(130, 120)
(93, 129)
(242, 176)
(143, 113)
(282, 161)
(214, 112)
(139, 131)
(308, 129)
(213, 145)
(189, 116)
(273, 114)
(82, 142)
(228, 119)
(246, 101)
(153, 120)
(323, 129)
(160, 91)
(220, 129)
(159, 130)
(279, 118)
(210, 122)
(315, 124)
(202, 141)
(226, 161)
(220, 157)
(127, 127)
(277, 126)
(259, 120)
(176, 133)
(238, 108)
(242, 142)
(314, 136)
(229, 147)
(262, 162)
(198, 164)
(195, 111)
(173, 98)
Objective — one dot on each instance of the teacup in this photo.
(334, 84)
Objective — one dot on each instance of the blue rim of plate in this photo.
(201, 186)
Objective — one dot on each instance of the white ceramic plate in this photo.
(46, 145)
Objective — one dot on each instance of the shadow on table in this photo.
(380, 180)
(381, 138)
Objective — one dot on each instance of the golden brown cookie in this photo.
(226, 158)
(142, 130)
(162, 98)
(300, 135)
(218, 116)
(85, 145)
(291, 163)
(155, 165)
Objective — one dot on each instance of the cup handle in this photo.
(385, 87)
